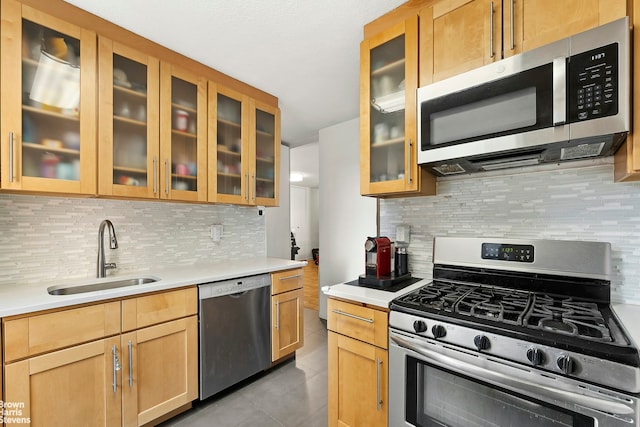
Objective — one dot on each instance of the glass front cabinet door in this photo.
(128, 129)
(264, 174)
(48, 103)
(388, 146)
(183, 135)
(228, 146)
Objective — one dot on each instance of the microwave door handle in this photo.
(521, 385)
(559, 91)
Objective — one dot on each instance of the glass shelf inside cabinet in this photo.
(387, 111)
(50, 103)
(265, 155)
(229, 145)
(129, 122)
(184, 138)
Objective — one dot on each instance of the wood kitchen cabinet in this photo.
(358, 364)
(153, 132)
(460, 35)
(160, 366)
(244, 148)
(48, 104)
(228, 150)
(76, 367)
(183, 134)
(129, 128)
(388, 132)
(287, 313)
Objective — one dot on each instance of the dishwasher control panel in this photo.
(233, 286)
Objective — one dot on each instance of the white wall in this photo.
(346, 218)
(278, 223)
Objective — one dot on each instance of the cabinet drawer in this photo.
(37, 334)
(157, 308)
(287, 280)
(356, 321)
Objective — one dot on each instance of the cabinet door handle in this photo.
(512, 22)
(116, 368)
(353, 316)
(491, 50)
(277, 315)
(379, 395)
(246, 178)
(166, 176)
(10, 156)
(409, 160)
(130, 364)
(295, 276)
(253, 195)
(155, 174)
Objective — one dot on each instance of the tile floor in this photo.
(292, 394)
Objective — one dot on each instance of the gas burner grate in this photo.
(568, 317)
(502, 305)
(440, 296)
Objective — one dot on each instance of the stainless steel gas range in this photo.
(512, 332)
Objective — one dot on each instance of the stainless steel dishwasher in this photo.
(235, 333)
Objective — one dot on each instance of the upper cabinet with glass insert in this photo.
(228, 145)
(244, 149)
(183, 134)
(129, 127)
(266, 157)
(388, 143)
(48, 103)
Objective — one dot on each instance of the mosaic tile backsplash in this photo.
(581, 203)
(53, 237)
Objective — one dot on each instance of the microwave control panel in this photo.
(507, 252)
(593, 84)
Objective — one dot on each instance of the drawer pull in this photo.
(295, 276)
(353, 316)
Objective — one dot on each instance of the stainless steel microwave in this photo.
(568, 100)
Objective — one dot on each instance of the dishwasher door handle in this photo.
(237, 294)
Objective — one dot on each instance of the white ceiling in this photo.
(305, 52)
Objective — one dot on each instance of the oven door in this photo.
(433, 384)
(511, 105)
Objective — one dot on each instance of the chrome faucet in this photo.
(113, 244)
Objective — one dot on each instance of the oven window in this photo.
(436, 397)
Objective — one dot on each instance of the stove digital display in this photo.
(506, 252)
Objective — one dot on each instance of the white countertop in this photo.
(369, 296)
(629, 315)
(20, 298)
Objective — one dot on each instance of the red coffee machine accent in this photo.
(377, 256)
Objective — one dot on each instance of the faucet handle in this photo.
(109, 265)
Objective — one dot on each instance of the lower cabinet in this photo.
(75, 366)
(358, 364)
(287, 313)
(75, 386)
(160, 370)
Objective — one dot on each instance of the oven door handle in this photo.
(519, 384)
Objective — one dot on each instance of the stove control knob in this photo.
(419, 326)
(566, 364)
(439, 331)
(481, 342)
(535, 356)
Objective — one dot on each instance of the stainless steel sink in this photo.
(99, 286)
